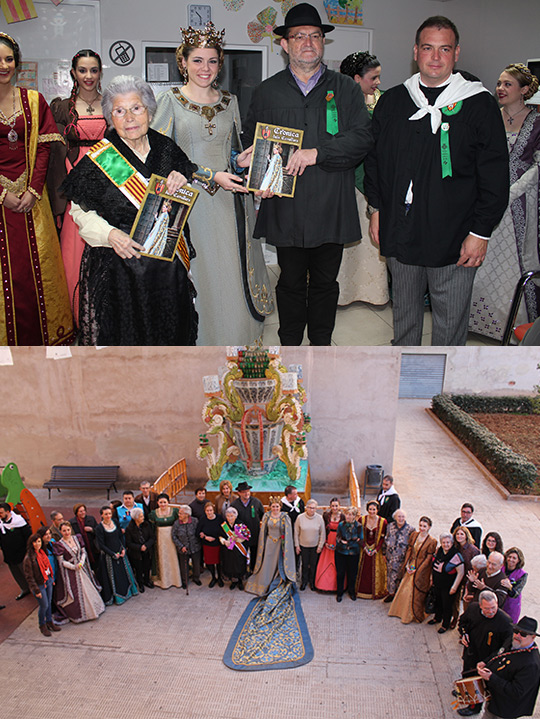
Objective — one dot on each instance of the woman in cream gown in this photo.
(233, 289)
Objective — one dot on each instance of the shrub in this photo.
(494, 405)
(512, 469)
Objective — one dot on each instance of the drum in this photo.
(471, 690)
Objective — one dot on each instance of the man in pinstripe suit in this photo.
(437, 185)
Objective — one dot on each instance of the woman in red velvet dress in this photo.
(326, 577)
(34, 304)
(80, 120)
(371, 582)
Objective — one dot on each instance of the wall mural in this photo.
(344, 12)
(263, 26)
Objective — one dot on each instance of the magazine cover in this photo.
(161, 218)
(272, 148)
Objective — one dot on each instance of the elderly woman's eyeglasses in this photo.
(122, 111)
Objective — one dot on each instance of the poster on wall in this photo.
(27, 75)
(344, 12)
(18, 10)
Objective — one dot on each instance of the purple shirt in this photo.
(307, 87)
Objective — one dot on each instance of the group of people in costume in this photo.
(216, 290)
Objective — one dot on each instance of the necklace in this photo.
(90, 109)
(12, 135)
(512, 117)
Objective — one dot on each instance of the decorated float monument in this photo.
(256, 427)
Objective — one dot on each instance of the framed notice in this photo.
(272, 148)
(161, 218)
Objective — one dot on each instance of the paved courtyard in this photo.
(160, 654)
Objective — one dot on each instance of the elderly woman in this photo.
(188, 544)
(126, 298)
(165, 567)
(209, 529)
(395, 548)
(235, 549)
(140, 542)
(309, 539)
(409, 600)
(447, 574)
(225, 497)
(85, 525)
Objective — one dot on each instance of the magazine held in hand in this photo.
(161, 219)
(273, 146)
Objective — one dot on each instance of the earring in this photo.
(99, 88)
(215, 84)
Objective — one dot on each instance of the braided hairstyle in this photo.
(73, 114)
(358, 63)
(524, 76)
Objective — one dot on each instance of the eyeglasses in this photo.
(122, 111)
(302, 36)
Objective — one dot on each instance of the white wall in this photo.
(493, 32)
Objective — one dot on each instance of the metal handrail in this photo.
(514, 307)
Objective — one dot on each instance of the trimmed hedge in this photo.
(512, 469)
(496, 405)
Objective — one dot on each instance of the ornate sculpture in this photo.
(255, 411)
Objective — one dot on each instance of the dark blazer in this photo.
(387, 509)
(133, 537)
(486, 636)
(152, 504)
(514, 683)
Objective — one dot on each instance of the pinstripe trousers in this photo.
(450, 289)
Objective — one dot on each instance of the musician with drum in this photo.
(513, 677)
(484, 630)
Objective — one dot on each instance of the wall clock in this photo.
(199, 15)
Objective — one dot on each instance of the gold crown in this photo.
(207, 37)
(4, 34)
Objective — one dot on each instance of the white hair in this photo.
(137, 512)
(124, 85)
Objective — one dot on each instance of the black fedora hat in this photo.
(527, 625)
(302, 14)
(243, 486)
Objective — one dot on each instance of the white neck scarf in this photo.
(457, 89)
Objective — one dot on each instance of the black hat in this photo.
(242, 486)
(527, 625)
(302, 14)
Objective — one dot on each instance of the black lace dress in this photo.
(131, 301)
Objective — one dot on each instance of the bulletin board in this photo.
(54, 37)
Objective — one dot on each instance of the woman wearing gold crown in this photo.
(234, 294)
(34, 302)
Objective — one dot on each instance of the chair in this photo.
(520, 330)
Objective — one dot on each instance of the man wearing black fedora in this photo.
(513, 677)
(250, 512)
(310, 229)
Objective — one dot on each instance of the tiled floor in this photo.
(360, 324)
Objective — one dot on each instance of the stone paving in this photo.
(160, 654)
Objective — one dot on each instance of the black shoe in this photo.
(433, 621)
(22, 595)
(220, 582)
(441, 630)
(339, 598)
(150, 585)
(312, 587)
(303, 586)
(141, 588)
(469, 711)
(212, 582)
(2, 606)
(233, 586)
(197, 582)
(388, 598)
(353, 597)
(240, 586)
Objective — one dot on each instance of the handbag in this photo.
(430, 601)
